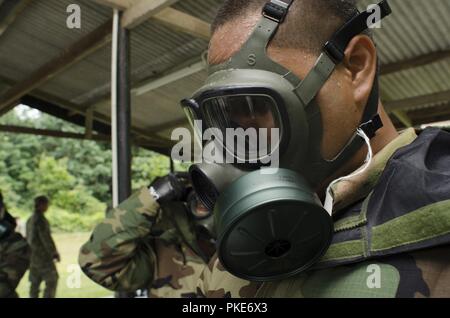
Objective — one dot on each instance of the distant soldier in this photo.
(43, 251)
(14, 254)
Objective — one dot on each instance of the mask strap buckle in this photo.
(277, 10)
(372, 126)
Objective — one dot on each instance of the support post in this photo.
(121, 112)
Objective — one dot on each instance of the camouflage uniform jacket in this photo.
(43, 248)
(14, 262)
(392, 232)
(141, 246)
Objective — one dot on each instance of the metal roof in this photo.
(416, 29)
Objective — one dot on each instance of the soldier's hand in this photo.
(57, 258)
(170, 188)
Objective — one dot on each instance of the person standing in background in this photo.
(43, 251)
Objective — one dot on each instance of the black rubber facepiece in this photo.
(271, 227)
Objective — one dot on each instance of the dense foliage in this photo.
(75, 174)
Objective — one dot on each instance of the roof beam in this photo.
(430, 115)
(142, 10)
(170, 77)
(139, 11)
(9, 11)
(101, 123)
(116, 4)
(51, 133)
(403, 117)
(415, 62)
(183, 70)
(69, 56)
(66, 135)
(418, 101)
(183, 22)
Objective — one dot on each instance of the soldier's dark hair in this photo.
(308, 26)
(42, 199)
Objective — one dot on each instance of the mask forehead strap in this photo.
(316, 78)
(253, 54)
(360, 22)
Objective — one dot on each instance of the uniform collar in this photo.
(347, 192)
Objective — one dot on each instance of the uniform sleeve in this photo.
(216, 282)
(44, 235)
(14, 262)
(119, 255)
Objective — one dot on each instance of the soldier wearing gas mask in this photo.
(158, 240)
(14, 254)
(355, 209)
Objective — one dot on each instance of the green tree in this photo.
(51, 177)
(75, 174)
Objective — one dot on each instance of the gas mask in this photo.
(272, 226)
(202, 217)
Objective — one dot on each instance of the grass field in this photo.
(69, 272)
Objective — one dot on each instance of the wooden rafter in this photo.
(116, 4)
(415, 62)
(40, 101)
(183, 22)
(142, 10)
(51, 133)
(138, 11)
(9, 11)
(69, 56)
(417, 101)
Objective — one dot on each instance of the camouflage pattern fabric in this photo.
(390, 254)
(420, 274)
(43, 253)
(14, 262)
(138, 247)
(395, 252)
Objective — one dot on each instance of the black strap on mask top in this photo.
(277, 11)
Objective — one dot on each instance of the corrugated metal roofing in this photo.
(416, 28)
(39, 34)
